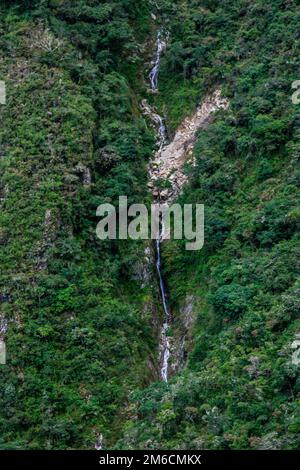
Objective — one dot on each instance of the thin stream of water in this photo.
(153, 76)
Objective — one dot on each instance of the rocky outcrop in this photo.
(296, 350)
(3, 328)
(85, 173)
(168, 165)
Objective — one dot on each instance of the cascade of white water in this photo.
(153, 76)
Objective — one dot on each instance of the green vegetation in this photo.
(81, 338)
(239, 389)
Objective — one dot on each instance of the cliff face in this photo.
(81, 318)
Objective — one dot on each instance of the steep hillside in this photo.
(81, 318)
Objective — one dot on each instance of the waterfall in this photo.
(161, 281)
(153, 76)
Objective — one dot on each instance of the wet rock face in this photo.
(87, 177)
(167, 165)
(168, 162)
(253, 368)
(3, 326)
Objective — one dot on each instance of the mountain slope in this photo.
(239, 389)
(80, 331)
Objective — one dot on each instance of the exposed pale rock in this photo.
(50, 229)
(180, 345)
(169, 160)
(141, 270)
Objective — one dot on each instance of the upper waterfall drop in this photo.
(153, 75)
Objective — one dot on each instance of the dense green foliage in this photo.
(78, 334)
(81, 343)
